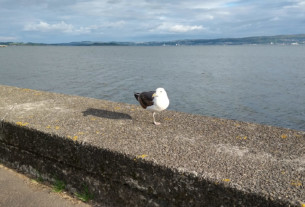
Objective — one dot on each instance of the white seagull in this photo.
(155, 101)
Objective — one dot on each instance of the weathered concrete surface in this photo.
(16, 190)
(116, 151)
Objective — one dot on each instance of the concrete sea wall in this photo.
(114, 153)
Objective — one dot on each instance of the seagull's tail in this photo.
(136, 95)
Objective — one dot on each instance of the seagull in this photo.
(155, 101)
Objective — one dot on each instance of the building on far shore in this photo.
(3, 45)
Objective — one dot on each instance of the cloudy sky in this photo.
(55, 21)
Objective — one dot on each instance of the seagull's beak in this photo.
(154, 95)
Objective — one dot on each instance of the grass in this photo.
(84, 195)
(39, 178)
(58, 186)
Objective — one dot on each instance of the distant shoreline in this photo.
(257, 40)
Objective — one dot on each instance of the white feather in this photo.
(161, 101)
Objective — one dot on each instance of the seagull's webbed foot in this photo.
(156, 123)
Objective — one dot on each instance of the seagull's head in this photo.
(160, 92)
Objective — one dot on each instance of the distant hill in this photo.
(259, 40)
(280, 39)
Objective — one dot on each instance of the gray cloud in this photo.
(138, 20)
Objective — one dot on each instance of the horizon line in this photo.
(155, 41)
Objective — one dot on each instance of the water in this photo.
(263, 84)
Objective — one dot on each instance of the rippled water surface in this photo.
(263, 84)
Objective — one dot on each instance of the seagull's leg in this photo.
(156, 123)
